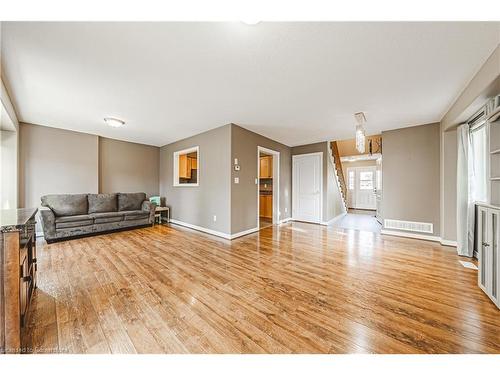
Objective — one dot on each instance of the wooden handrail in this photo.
(338, 167)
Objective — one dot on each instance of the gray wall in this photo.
(449, 156)
(128, 167)
(197, 205)
(53, 161)
(236, 204)
(332, 204)
(483, 85)
(244, 145)
(410, 174)
(56, 161)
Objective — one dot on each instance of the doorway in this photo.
(363, 198)
(267, 187)
(307, 187)
(361, 188)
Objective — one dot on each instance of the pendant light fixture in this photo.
(360, 132)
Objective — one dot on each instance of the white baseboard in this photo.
(331, 221)
(244, 233)
(449, 243)
(419, 237)
(285, 220)
(305, 221)
(227, 236)
(411, 235)
(201, 229)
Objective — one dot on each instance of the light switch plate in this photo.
(236, 180)
(236, 167)
(235, 161)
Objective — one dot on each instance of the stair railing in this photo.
(340, 172)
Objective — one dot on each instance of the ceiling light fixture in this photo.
(360, 132)
(114, 122)
(250, 21)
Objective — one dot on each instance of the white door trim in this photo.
(294, 157)
(276, 183)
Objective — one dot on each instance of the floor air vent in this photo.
(411, 226)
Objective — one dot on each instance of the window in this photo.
(351, 177)
(186, 167)
(479, 186)
(365, 180)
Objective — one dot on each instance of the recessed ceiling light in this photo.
(114, 122)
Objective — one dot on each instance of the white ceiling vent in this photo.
(412, 226)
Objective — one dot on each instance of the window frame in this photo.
(176, 155)
(372, 180)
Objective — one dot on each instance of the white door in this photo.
(362, 188)
(307, 187)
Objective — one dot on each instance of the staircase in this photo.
(339, 172)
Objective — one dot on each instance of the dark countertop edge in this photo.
(15, 219)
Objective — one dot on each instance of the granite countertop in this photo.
(15, 219)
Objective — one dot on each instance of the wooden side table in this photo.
(162, 213)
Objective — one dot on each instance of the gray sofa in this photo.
(71, 215)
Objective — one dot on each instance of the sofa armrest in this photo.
(48, 223)
(148, 206)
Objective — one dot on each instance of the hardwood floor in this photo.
(297, 288)
(265, 222)
(357, 219)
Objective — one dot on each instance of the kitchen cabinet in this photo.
(186, 165)
(18, 268)
(184, 171)
(266, 206)
(266, 167)
(488, 236)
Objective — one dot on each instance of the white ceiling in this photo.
(293, 82)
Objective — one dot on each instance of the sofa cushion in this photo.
(130, 201)
(73, 221)
(107, 217)
(73, 224)
(67, 219)
(76, 231)
(66, 204)
(102, 203)
(133, 223)
(135, 215)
